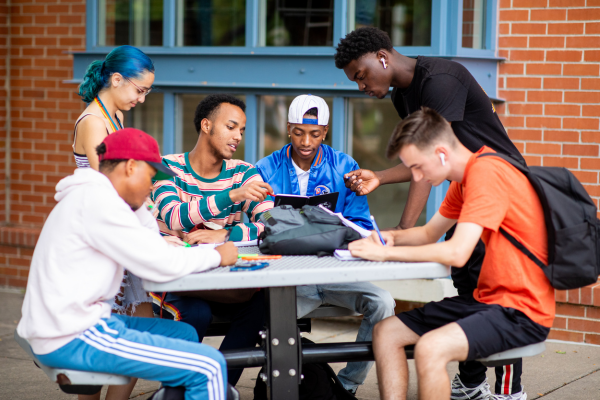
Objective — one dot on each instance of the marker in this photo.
(270, 194)
(377, 230)
(248, 255)
(186, 244)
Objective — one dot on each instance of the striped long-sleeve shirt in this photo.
(188, 200)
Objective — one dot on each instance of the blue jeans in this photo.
(374, 303)
(148, 348)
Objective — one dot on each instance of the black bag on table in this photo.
(307, 231)
(320, 383)
(572, 225)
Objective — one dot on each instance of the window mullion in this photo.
(91, 37)
(169, 25)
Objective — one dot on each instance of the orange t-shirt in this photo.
(494, 194)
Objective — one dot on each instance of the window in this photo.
(188, 104)
(133, 22)
(372, 124)
(272, 128)
(211, 22)
(408, 22)
(473, 27)
(148, 117)
(297, 22)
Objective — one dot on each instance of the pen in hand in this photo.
(377, 230)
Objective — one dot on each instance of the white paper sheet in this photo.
(363, 232)
(345, 255)
(237, 244)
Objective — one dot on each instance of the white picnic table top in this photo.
(301, 270)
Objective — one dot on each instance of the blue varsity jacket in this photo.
(326, 176)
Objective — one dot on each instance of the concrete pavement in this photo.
(563, 371)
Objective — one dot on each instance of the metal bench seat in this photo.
(71, 381)
(511, 356)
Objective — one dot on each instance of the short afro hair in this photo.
(209, 106)
(313, 112)
(360, 42)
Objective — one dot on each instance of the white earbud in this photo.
(383, 62)
(443, 158)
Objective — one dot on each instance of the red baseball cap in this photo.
(133, 144)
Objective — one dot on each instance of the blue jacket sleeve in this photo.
(356, 208)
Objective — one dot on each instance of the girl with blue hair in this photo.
(110, 87)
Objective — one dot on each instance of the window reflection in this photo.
(298, 22)
(372, 124)
(148, 117)
(133, 22)
(407, 22)
(188, 104)
(211, 22)
(473, 28)
(272, 123)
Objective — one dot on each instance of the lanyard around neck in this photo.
(107, 115)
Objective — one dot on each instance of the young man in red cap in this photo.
(98, 227)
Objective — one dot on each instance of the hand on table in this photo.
(361, 181)
(255, 191)
(368, 248)
(228, 252)
(206, 236)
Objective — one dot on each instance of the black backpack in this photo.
(572, 224)
(307, 231)
(320, 383)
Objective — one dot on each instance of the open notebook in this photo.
(344, 255)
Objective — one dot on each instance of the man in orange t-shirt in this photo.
(513, 305)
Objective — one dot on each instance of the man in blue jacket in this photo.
(308, 167)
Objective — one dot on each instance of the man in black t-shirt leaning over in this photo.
(368, 58)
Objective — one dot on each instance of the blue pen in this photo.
(377, 230)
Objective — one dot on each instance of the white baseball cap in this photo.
(302, 104)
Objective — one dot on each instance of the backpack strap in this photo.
(523, 249)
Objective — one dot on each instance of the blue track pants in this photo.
(149, 348)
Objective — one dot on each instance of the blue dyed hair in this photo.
(128, 61)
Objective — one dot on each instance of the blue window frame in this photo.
(255, 70)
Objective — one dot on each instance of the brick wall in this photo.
(42, 112)
(551, 82)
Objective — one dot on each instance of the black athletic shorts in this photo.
(490, 328)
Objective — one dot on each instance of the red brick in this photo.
(592, 55)
(517, 122)
(525, 109)
(581, 69)
(561, 83)
(590, 111)
(580, 123)
(560, 295)
(562, 109)
(573, 296)
(561, 136)
(529, 3)
(544, 69)
(570, 310)
(584, 14)
(580, 150)
(533, 55)
(524, 83)
(590, 84)
(592, 28)
(543, 148)
(586, 177)
(583, 41)
(560, 323)
(547, 41)
(533, 160)
(529, 29)
(590, 136)
(563, 55)
(592, 338)
(503, 29)
(583, 325)
(514, 15)
(582, 97)
(566, 336)
(592, 312)
(513, 95)
(543, 122)
(586, 292)
(525, 134)
(545, 96)
(596, 289)
(513, 41)
(565, 162)
(548, 15)
(567, 3)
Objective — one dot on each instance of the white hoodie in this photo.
(77, 265)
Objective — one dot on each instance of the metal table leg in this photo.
(283, 359)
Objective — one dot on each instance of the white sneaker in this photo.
(515, 396)
(461, 392)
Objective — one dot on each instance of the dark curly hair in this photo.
(360, 42)
(207, 107)
(312, 111)
(107, 166)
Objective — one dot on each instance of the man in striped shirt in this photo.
(211, 190)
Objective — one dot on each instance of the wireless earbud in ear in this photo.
(383, 62)
(443, 158)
